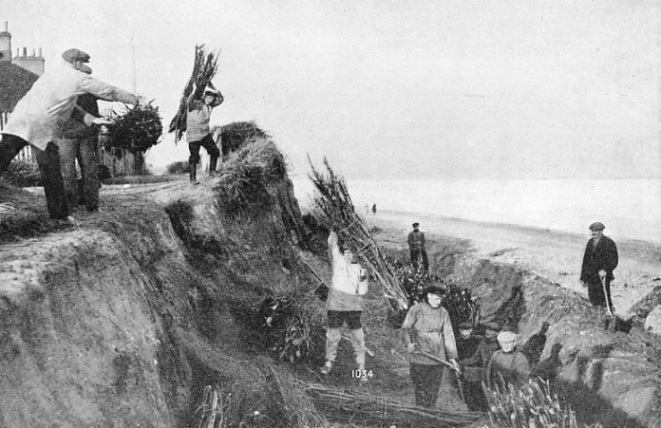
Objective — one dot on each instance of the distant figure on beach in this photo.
(507, 365)
(367, 209)
(429, 339)
(416, 241)
(345, 298)
(599, 261)
(374, 209)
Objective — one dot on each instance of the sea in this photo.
(630, 208)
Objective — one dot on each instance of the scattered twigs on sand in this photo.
(372, 409)
(337, 213)
(204, 69)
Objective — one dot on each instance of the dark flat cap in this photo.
(436, 289)
(416, 224)
(71, 55)
(597, 226)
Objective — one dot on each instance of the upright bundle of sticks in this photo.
(204, 69)
(337, 213)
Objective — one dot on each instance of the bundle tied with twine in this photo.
(136, 130)
(205, 67)
(369, 409)
(337, 213)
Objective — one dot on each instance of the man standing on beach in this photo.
(416, 241)
(345, 297)
(599, 261)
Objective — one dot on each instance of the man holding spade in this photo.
(599, 261)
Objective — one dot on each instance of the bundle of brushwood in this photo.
(533, 405)
(244, 178)
(337, 213)
(460, 304)
(136, 130)
(237, 134)
(293, 324)
(205, 67)
(367, 409)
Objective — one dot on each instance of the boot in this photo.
(193, 173)
(213, 161)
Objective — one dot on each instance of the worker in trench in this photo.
(430, 341)
(344, 304)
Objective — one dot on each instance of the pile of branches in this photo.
(236, 134)
(531, 405)
(336, 212)
(293, 325)
(244, 178)
(460, 304)
(205, 67)
(291, 406)
(368, 409)
(137, 130)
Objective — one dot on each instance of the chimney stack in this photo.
(25, 51)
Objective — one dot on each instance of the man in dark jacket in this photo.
(76, 141)
(599, 261)
(416, 241)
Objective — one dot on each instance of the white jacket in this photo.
(349, 282)
(49, 103)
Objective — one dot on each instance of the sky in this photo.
(399, 89)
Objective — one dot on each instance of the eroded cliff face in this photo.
(123, 320)
(83, 334)
(608, 377)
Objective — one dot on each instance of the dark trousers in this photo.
(415, 254)
(596, 293)
(426, 381)
(49, 166)
(206, 142)
(82, 149)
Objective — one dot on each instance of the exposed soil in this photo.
(124, 318)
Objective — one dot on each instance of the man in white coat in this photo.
(44, 109)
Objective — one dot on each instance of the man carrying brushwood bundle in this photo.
(47, 106)
(198, 132)
(430, 341)
(416, 241)
(345, 297)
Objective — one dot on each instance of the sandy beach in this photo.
(553, 255)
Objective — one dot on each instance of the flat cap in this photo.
(71, 55)
(416, 224)
(597, 226)
(506, 336)
(436, 289)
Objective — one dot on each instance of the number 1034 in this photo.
(362, 374)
